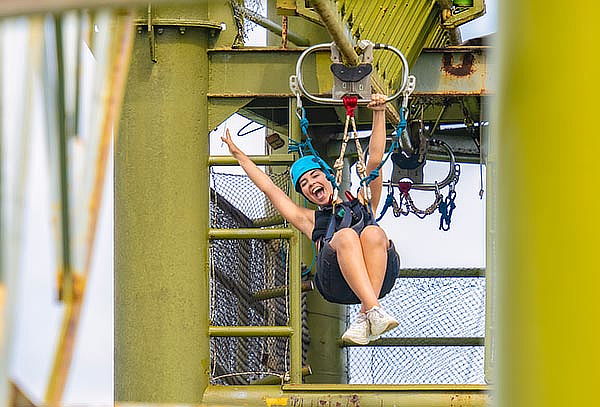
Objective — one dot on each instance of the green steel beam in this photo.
(273, 159)
(271, 69)
(179, 22)
(161, 217)
(455, 71)
(442, 273)
(398, 388)
(477, 341)
(250, 331)
(295, 271)
(219, 109)
(251, 233)
(348, 395)
(306, 371)
(281, 291)
(21, 7)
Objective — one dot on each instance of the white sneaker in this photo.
(380, 322)
(358, 331)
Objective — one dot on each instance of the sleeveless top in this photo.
(350, 214)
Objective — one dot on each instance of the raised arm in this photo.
(301, 218)
(376, 145)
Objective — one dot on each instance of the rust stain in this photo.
(354, 401)
(460, 400)
(464, 69)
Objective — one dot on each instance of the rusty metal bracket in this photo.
(454, 16)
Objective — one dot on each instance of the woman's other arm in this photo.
(300, 217)
(376, 145)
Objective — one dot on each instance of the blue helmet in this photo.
(304, 164)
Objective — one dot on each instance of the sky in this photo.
(91, 380)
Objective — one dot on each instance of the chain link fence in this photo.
(426, 308)
(241, 270)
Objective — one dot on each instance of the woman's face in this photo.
(316, 188)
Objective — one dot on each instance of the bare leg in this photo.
(347, 246)
(374, 244)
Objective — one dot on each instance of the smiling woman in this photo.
(356, 263)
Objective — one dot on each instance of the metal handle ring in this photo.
(331, 101)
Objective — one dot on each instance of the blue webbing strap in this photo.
(303, 147)
(399, 129)
(389, 201)
(446, 208)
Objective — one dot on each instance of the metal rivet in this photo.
(160, 31)
(181, 30)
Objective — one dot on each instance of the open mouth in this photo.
(318, 192)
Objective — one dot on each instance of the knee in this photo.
(374, 236)
(345, 239)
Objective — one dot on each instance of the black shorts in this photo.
(333, 286)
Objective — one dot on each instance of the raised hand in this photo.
(233, 149)
(377, 102)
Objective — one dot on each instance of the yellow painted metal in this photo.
(295, 272)
(273, 159)
(250, 331)
(161, 222)
(251, 233)
(350, 395)
(548, 220)
(387, 387)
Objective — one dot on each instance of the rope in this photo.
(350, 104)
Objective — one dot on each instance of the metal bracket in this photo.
(155, 25)
(361, 87)
(333, 100)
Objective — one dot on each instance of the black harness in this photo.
(350, 214)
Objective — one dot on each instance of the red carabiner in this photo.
(350, 103)
(404, 186)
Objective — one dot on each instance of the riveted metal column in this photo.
(161, 221)
(548, 206)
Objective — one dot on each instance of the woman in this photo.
(355, 264)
